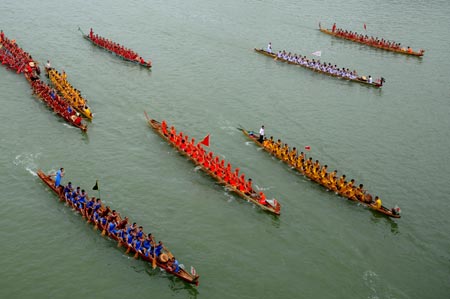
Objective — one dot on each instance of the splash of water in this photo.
(27, 161)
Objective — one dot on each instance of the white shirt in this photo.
(370, 80)
(261, 132)
(269, 48)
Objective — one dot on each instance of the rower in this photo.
(68, 189)
(148, 243)
(249, 187)
(378, 202)
(269, 48)
(140, 233)
(164, 127)
(262, 198)
(159, 248)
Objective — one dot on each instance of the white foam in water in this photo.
(28, 162)
(69, 126)
(371, 280)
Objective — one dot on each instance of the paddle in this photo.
(81, 31)
(146, 115)
(154, 260)
(168, 252)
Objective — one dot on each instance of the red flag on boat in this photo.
(365, 26)
(205, 140)
(307, 148)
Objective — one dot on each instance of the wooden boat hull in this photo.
(122, 57)
(274, 56)
(80, 126)
(156, 126)
(254, 137)
(330, 32)
(182, 274)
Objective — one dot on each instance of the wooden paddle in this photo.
(168, 252)
(154, 260)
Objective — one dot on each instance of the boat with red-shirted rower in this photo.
(271, 206)
(374, 43)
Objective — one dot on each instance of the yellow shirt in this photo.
(378, 203)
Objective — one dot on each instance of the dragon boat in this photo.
(272, 207)
(141, 62)
(161, 261)
(394, 212)
(362, 80)
(66, 90)
(400, 50)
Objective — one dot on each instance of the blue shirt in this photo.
(158, 250)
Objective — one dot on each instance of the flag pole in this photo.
(96, 188)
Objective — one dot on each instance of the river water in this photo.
(206, 79)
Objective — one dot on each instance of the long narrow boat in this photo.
(69, 93)
(182, 274)
(360, 80)
(388, 212)
(17, 59)
(274, 209)
(147, 64)
(60, 106)
(371, 44)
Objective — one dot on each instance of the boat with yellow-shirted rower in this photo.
(394, 212)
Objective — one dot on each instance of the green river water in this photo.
(206, 79)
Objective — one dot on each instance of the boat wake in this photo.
(372, 281)
(28, 162)
(70, 126)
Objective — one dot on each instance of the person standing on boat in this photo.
(48, 66)
(269, 47)
(58, 176)
(334, 28)
(370, 80)
(261, 134)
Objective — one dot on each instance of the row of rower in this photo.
(370, 40)
(72, 95)
(215, 165)
(323, 67)
(54, 101)
(319, 174)
(117, 48)
(114, 226)
(15, 57)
